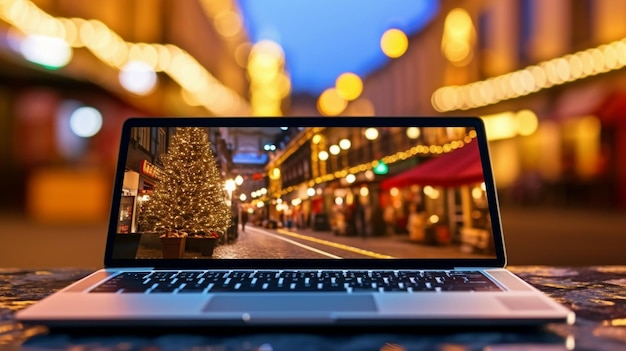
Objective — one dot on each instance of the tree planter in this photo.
(207, 245)
(126, 245)
(191, 186)
(173, 247)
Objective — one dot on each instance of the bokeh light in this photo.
(413, 132)
(331, 103)
(86, 121)
(394, 43)
(138, 77)
(50, 52)
(371, 133)
(527, 122)
(349, 86)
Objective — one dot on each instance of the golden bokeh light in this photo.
(275, 173)
(458, 37)
(394, 43)
(349, 86)
(526, 122)
(413, 132)
(269, 83)
(331, 103)
(316, 139)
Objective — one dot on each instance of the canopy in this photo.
(612, 111)
(459, 167)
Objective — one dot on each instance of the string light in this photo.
(368, 167)
(558, 71)
(189, 196)
(111, 49)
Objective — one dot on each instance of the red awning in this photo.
(459, 167)
(612, 110)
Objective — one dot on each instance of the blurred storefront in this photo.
(377, 181)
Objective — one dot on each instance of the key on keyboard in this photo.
(296, 281)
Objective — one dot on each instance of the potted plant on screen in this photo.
(189, 197)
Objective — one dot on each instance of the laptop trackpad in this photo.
(323, 302)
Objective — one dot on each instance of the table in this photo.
(596, 294)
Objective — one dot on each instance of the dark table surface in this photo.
(596, 294)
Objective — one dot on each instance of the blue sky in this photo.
(324, 38)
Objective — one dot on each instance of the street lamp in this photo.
(371, 133)
(323, 155)
(230, 186)
(345, 144)
(413, 132)
(238, 180)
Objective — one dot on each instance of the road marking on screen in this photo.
(333, 244)
(280, 237)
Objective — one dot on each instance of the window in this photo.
(143, 137)
(161, 143)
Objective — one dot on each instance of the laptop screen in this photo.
(294, 189)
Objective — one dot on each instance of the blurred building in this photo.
(546, 76)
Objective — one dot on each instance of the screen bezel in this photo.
(445, 263)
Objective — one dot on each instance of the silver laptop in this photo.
(302, 221)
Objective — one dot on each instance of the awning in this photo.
(612, 111)
(459, 167)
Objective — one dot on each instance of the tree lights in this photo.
(189, 196)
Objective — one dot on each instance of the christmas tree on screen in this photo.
(189, 196)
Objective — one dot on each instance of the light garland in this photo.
(196, 82)
(423, 150)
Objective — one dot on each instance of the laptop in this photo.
(299, 221)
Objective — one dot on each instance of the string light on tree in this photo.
(189, 197)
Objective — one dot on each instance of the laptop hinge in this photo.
(129, 269)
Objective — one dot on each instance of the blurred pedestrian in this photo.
(244, 220)
(359, 219)
(389, 216)
(416, 224)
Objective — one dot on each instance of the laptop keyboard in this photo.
(181, 282)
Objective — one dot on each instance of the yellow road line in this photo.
(334, 244)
